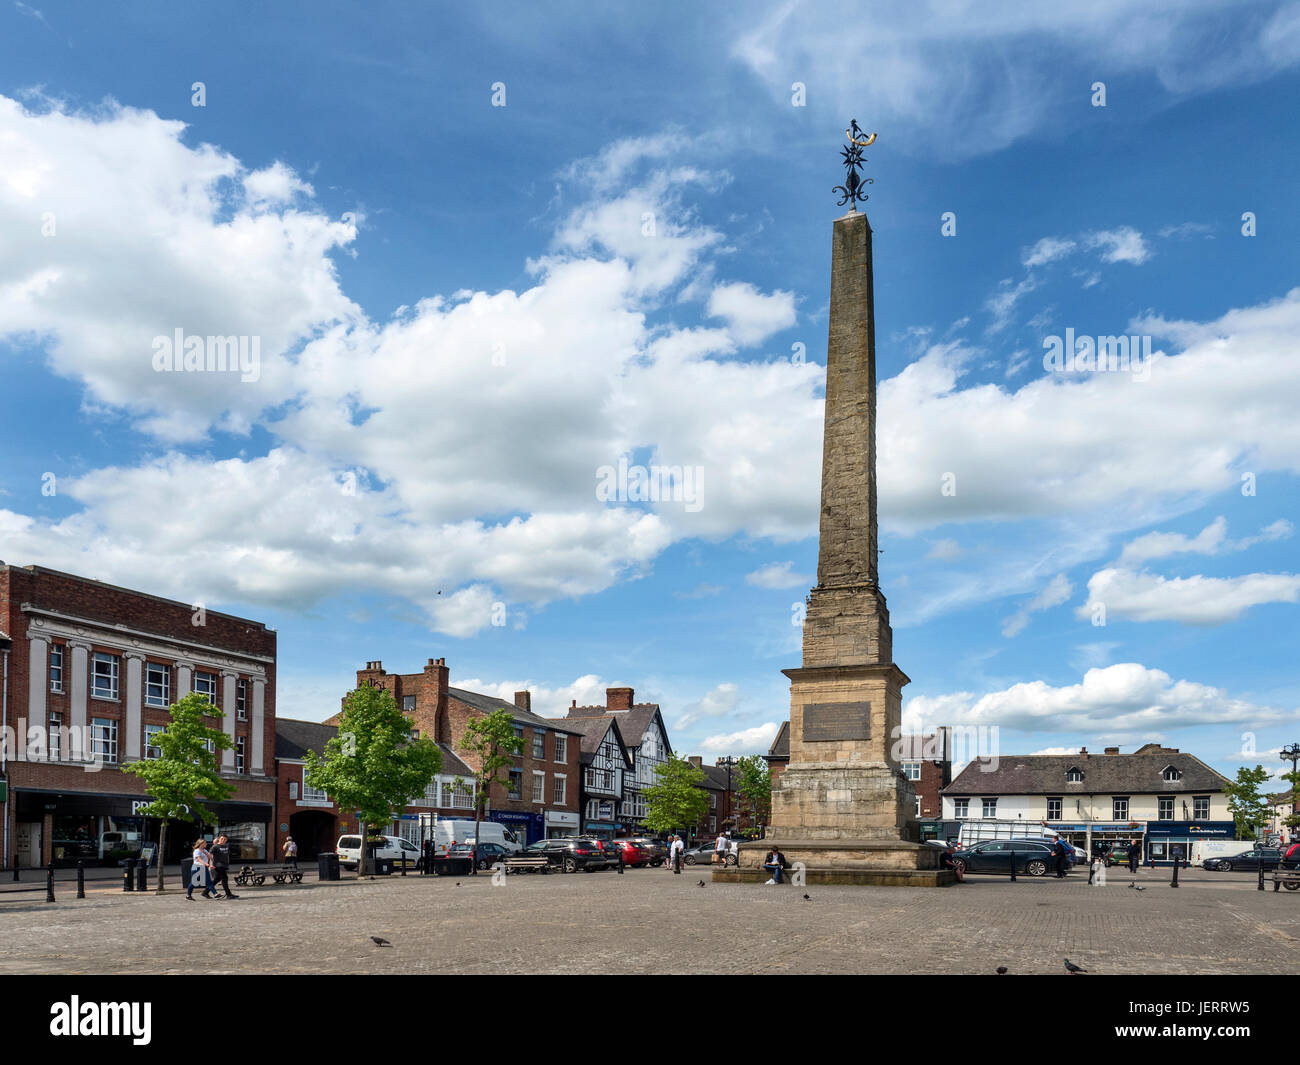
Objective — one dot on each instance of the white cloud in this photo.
(1123, 698)
(1056, 751)
(751, 317)
(756, 740)
(1057, 592)
(1121, 245)
(1161, 545)
(778, 575)
(1047, 250)
(944, 551)
(1192, 600)
(717, 702)
(277, 184)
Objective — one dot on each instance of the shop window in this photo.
(103, 676)
(247, 840)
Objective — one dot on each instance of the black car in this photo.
(1250, 861)
(486, 855)
(1033, 857)
(570, 854)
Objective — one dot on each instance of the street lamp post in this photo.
(728, 761)
(1291, 754)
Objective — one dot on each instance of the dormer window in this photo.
(1074, 774)
(1171, 773)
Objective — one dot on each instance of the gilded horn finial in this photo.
(853, 191)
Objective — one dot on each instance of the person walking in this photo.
(200, 871)
(221, 868)
(675, 851)
(290, 854)
(1134, 852)
(618, 849)
(720, 846)
(1062, 856)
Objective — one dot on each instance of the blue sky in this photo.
(465, 311)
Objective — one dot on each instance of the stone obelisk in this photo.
(842, 806)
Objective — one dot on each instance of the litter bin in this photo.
(328, 865)
(383, 867)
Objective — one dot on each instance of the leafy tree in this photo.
(678, 800)
(1292, 820)
(373, 765)
(493, 740)
(1250, 810)
(754, 785)
(186, 770)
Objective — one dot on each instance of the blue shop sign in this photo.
(1193, 830)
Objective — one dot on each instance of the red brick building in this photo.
(90, 670)
(543, 795)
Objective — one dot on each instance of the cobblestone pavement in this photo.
(650, 921)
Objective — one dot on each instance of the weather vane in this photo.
(853, 191)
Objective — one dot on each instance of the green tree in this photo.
(186, 770)
(754, 785)
(678, 800)
(1250, 810)
(494, 742)
(1292, 820)
(373, 765)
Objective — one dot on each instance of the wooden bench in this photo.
(526, 865)
(1288, 877)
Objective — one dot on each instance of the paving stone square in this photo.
(651, 921)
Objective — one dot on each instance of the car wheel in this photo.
(570, 866)
(690, 859)
(484, 864)
(1226, 867)
(1290, 885)
(960, 865)
(732, 860)
(1036, 867)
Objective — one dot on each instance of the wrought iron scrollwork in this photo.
(853, 191)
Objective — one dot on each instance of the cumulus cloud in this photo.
(1121, 245)
(1123, 698)
(778, 575)
(750, 315)
(756, 740)
(1192, 600)
(718, 702)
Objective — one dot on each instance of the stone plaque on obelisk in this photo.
(842, 806)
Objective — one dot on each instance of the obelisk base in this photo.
(868, 862)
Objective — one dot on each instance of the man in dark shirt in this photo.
(1062, 856)
(1134, 853)
(221, 867)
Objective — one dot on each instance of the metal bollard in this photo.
(1261, 877)
(141, 875)
(81, 879)
(1013, 867)
(1174, 881)
(128, 875)
(403, 863)
(49, 882)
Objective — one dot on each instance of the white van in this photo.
(394, 847)
(1218, 848)
(447, 831)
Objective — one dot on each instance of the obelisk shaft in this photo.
(847, 622)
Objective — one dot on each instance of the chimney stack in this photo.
(524, 701)
(696, 760)
(618, 699)
(1112, 750)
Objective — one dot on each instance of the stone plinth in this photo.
(879, 862)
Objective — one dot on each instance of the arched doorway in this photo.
(314, 831)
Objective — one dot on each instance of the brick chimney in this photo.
(1112, 750)
(696, 760)
(436, 678)
(618, 699)
(524, 701)
(1083, 751)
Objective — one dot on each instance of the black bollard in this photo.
(49, 882)
(128, 875)
(142, 875)
(81, 879)
(1174, 881)
(1013, 866)
(403, 863)
(1261, 877)
(15, 868)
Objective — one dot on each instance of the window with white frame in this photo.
(1119, 808)
(157, 684)
(239, 753)
(539, 787)
(961, 808)
(56, 667)
(56, 731)
(1171, 773)
(561, 748)
(1201, 807)
(912, 770)
(561, 785)
(1054, 809)
(241, 700)
(918, 806)
(990, 807)
(206, 684)
(1165, 808)
(539, 744)
(310, 794)
(1074, 774)
(150, 749)
(713, 800)
(104, 676)
(103, 739)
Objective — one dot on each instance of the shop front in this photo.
(528, 828)
(103, 829)
(560, 823)
(1098, 837)
(1171, 841)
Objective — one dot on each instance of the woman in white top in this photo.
(201, 873)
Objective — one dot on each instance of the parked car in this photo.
(486, 856)
(656, 848)
(633, 854)
(394, 847)
(571, 853)
(1250, 861)
(1033, 857)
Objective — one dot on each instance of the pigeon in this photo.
(1132, 883)
(1140, 888)
(701, 883)
(1002, 970)
(380, 942)
(807, 898)
(1071, 968)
